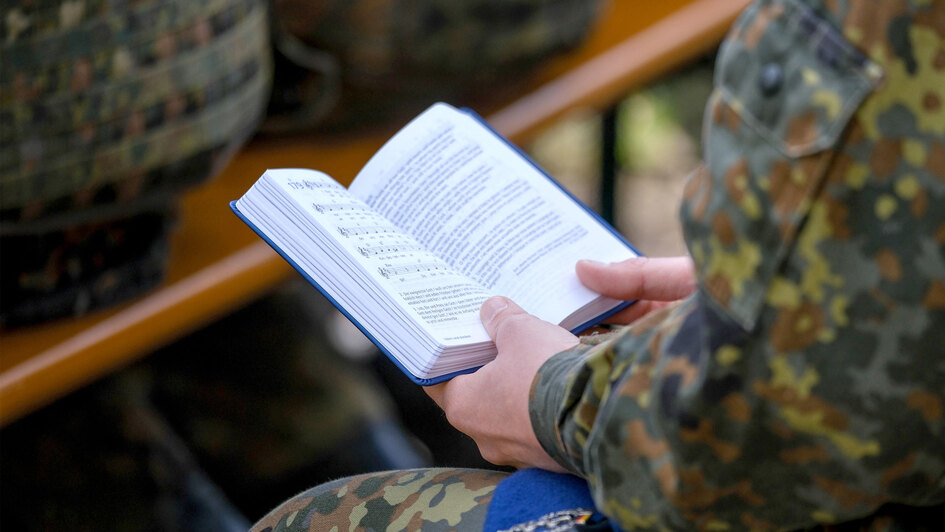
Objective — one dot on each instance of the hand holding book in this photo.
(491, 405)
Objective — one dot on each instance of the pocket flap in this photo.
(786, 86)
(792, 77)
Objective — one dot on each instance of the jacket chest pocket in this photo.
(786, 86)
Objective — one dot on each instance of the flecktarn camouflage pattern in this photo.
(804, 383)
(105, 102)
(83, 267)
(393, 57)
(430, 499)
(418, 41)
(107, 111)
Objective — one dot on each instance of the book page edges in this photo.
(423, 381)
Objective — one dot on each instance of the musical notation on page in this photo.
(408, 269)
(312, 185)
(371, 251)
(365, 230)
(337, 207)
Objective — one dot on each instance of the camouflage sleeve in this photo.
(804, 382)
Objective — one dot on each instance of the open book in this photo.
(445, 215)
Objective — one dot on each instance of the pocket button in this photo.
(772, 77)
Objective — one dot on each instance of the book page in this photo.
(424, 285)
(478, 204)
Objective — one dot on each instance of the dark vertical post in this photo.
(608, 167)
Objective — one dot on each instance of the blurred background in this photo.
(115, 114)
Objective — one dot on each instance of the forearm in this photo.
(594, 411)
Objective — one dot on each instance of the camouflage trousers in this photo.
(441, 499)
(430, 499)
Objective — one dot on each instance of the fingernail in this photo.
(590, 262)
(492, 307)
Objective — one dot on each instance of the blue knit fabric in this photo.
(531, 493)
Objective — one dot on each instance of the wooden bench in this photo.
(218, 265)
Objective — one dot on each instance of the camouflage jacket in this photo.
(804, 382)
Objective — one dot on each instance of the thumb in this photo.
(496, 311)
(514, 329)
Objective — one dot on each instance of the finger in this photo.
(655, 279)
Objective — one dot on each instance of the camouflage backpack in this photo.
(107, 111)
(71, 271)
(403, 54)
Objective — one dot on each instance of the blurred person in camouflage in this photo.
(798, 379)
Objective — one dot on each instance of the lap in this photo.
(429, 499)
